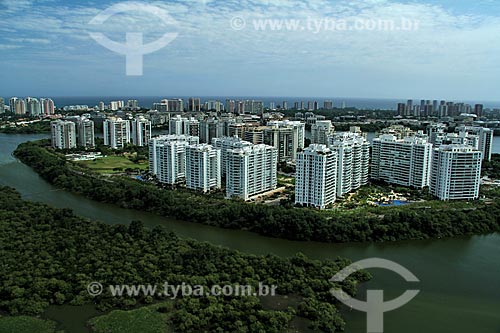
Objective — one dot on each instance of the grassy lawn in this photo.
(145, 320)
(24, 324)
(110, 164)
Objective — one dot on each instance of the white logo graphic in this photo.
(375, 307)
(134, 48)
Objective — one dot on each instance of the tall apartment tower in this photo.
(85, 131)
(116, 133)
(316, 177)
(251, 170)
(203, 168)
(456, 172)
(405, 162)
(321, 131)
(225, 144)
(47, 106)
(486, 137)
(141, 131)
(287, 137)
(210, 129)
(167, 157)
(63, 134)
(353, 160)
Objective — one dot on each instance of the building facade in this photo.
(203, 168)
(251, 170)
(141, 131)
(116, 133)
(405, 162)
(316, 177)
(353, 160)
(63, 134)
(456, 172)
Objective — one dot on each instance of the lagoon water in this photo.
(459, 278)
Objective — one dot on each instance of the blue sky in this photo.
(46, 49)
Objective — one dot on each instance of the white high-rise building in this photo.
(34, 108)
(251, 170)
(157, 145)
(320, 131)
(405, 162)
(179, 125)
(486, 137)
(353, 160)
(116, 133)
(203, 168)
(456, 172)
(225, 144)
(85, 131)
(63, 134)
(48, 107)
(210, 129)
(141, 131)
(316, 177)
(287, 137)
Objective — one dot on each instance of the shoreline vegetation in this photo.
(49, 256)
(425, 220)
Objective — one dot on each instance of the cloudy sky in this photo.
(452, 50)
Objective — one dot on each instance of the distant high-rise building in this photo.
(485, 136)
(409, 106)
(194, 104)
(133, 105)
(63, 134)
(251, 170)
(353, 155)
(316, 177)
(285, 105)
(254, 107)
(287, 137)
(34, 108)
(141, 131)
(48, 107)
(210, 129)
(17, 106)
(216, 106)
(405, 162)
(272, 106)
(478, 109)
(310, 106)
(2, 105)
(402, 109)
(85, 133)
(321, 131)
(102, 106)
(184, 126)
(116, 133)
(302, 105)
(255, 134)
(296, 106)
(328, 105)
(203, 168)
(175, 105)
(230, 106)
(456, 172)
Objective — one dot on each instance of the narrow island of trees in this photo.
(49, 256)
(416, 221)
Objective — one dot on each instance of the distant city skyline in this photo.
(46, 50)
